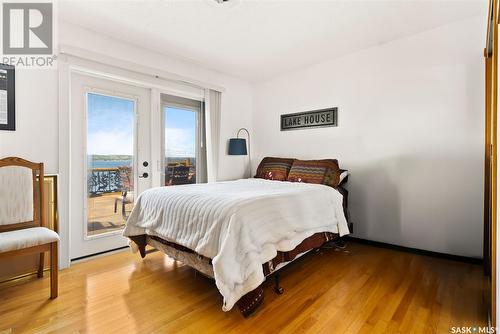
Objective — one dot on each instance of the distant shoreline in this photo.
(96, 157)
(128, 158)
(114, 161)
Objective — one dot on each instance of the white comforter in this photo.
(238, 224)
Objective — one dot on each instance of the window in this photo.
(184, 156)
(110, 156)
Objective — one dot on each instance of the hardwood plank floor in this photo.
(372, 290)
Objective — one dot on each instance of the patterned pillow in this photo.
(324, 171)
(274, 168)
(307, 171)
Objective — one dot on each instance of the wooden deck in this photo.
(101, 215)
(372, 290)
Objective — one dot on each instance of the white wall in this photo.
(35, 137)
(410, 132)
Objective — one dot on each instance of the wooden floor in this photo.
(372, 290)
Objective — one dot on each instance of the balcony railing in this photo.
(104, 180)
(109, 180)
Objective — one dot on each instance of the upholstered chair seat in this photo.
(25, 238)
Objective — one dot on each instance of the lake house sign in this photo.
(309, 119)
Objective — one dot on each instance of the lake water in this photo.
(110, 163)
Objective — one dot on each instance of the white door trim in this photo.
(64, 192)
(156, 138)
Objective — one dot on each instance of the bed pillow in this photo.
(324, 171)
(274, 168)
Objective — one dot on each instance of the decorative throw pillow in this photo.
(307, 171)
(324, 171)
(271, 168)
(332, 175)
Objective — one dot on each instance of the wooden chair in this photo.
(127, 195)
(180, 175)
(22, 216)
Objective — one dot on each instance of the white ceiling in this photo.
(257, 40)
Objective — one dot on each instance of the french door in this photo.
(110, 160)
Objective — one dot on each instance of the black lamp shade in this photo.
(237, 146)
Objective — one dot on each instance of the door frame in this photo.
(81, 244)
(157, 120)
(490, 161)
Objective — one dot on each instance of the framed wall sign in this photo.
(309, 119)
(7, 98)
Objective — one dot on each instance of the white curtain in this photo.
(212, 122)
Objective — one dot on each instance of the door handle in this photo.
(144, 176)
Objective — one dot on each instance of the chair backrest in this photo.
(180, 175)
(21, 194)
(126, 178)
(181, 171)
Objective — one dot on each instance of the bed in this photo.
(240, 232)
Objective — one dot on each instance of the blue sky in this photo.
(180, 132)
(111, 128)
(110, 125)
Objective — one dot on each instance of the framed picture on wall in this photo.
(7, 98)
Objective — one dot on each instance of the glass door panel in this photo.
(110, 162)
(180, 129)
